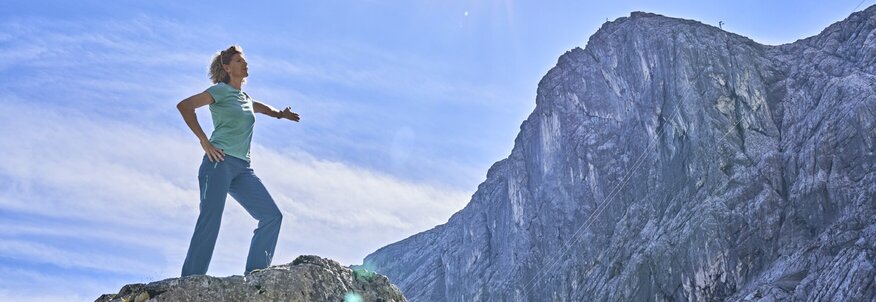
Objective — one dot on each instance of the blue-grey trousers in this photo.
(218, 179)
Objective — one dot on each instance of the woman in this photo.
(233, 113)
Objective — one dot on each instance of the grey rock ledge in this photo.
(307, 278)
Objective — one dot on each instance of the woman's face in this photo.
(236, 67)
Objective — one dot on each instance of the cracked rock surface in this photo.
(307, 278)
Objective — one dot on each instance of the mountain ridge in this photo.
(758, 152)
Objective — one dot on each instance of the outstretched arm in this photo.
(266, 109)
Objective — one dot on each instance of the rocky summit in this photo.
(308, 278)
(670, 160)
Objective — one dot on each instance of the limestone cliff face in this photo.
(308, 278)
(669, 160)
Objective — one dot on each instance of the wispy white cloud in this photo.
(392, 75)
(28, 251)
(8, 295)
(347, 197)
(35, 286)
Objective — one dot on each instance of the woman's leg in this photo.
(214, 179)
(249, 191)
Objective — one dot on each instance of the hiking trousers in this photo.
(218, 179)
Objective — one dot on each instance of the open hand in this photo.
(287, 113)
(213, 153)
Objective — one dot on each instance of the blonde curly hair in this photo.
(217, 73)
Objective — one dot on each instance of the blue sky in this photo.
(404, 106)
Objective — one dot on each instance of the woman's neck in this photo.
(236, 83)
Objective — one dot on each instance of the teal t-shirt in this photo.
(233, 120)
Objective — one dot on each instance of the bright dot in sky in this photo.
(465, 13)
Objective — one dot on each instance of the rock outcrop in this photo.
(670, 160)
(308, 278)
